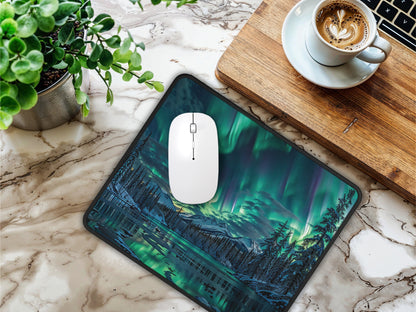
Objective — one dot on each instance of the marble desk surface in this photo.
(49, 262)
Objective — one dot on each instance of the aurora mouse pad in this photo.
(255, 244)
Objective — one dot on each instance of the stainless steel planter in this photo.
(56, 105)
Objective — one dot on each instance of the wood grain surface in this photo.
(372, 126)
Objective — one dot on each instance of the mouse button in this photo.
(182, 146)
(180, 142)
(203, 118)
(205, 151)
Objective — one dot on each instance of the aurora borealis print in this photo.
(253, 246)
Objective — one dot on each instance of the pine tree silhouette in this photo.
(271, 243)
(283, 262)
(277, 257)
(313, 247)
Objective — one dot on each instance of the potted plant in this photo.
(45, 43)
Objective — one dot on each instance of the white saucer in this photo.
(293, 38)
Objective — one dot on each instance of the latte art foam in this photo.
(343, 26)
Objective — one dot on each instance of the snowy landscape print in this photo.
(253, 246)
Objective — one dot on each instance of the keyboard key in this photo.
(372, 4)
(404, 22)
(414, 33)
(398, 34)
(405, 5)
(413, 12)
(377, 17)
(387, 11)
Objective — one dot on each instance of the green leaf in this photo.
(96, 52)
(28, 77)
(4, 60)
(17, 45)
(117, 69)
(90, 11)
(135, 59)
(32, 43)
(113, 42)
(94, 29)
(8, 26)
(9, 75)
(130, 36)
(83, 61)
(100, 17)
(122, 58)
(59, 53)
(21, 6)
(106, 58)
(110, 97)
(60, 65)
(149, 85)
(66, 34)
(26, 25)
(87, 103)
(134, 68)
(69, 59)
(141, 46)
(147, 75)
(8, 89)
(108, 77)
(158, 86)
(79, 14)
(9, 105)
(4, 88)
(46, 24)
(20, 66)
(125, 46)
(155, 2)
(60, 22)
(127, 76)
(48, 7)
(5, 120)
(102, 67)
(13, 91)
(78, 43)
(91, 64)
(80, 96)
(77, 80)
(85, 109)
(27, 96)
(75, 67)
(107, 24)
(65, 9)
(35, 58)
(6, 11)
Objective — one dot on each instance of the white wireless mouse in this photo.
(193, 158)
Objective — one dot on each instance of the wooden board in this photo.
(372, 126)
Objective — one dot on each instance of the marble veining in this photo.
(49, 262)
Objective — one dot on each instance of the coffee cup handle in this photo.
(375, 56)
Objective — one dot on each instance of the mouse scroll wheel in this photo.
(193, 127)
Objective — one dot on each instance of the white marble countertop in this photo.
(49, 262)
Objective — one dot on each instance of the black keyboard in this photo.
(397, 18)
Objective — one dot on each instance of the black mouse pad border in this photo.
(253, 247)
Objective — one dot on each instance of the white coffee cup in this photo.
(374, 50)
